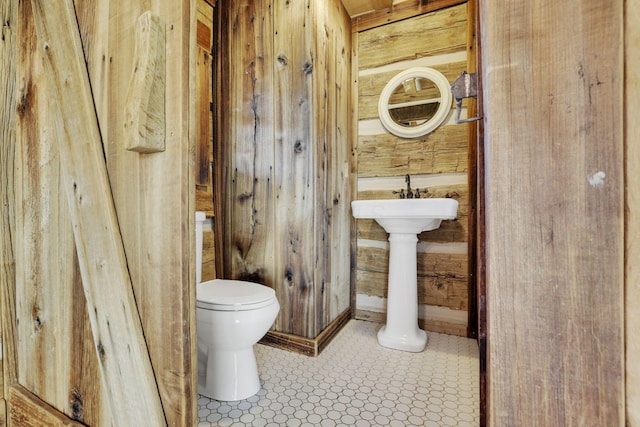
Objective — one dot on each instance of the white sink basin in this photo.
(406, 215)
(404, 219)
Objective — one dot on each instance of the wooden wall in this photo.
(204, 107)
(204, 136)
(437, 162)
(553, 108)
(286, 185)
(51, 364)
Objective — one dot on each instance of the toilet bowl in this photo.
(232, 316)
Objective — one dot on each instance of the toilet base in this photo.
(413, 341)
(229, 375)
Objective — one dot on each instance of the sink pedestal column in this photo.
(401, 331)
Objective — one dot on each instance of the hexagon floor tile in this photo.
(356, 382)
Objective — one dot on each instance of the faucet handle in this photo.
(417, 194)
(401, 193)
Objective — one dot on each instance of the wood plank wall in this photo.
(553, 108)
(154, 196)
(438, 161)
(286, 139)
(204, 135)
(204, 108)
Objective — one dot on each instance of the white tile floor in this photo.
(355, 382)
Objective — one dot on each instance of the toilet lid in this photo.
(222, 294)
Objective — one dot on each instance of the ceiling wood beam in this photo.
(397, 12)
(359, 7)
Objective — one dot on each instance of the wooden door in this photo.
(552, 76)
(97, 281)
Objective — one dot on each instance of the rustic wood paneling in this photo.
(8, 52)
(632, 185)
(124, 359)
(249, 197)
(159, 238)
(29, 411)
(400, 11)
(442, 278)
(204, 108)
(53, 341)
(298, 197)
(331, 127)
(433, 33)
(287, 197)
(208, 255)
(552, 73)
(358, 7)
(440, 326)
(353, 164)
(442, 151)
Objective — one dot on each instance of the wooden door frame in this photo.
(632, 204)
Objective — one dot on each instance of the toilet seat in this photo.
(233, 295)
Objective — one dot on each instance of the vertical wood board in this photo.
(117, 331)
(287, 185)
(553, 106)
(204, 108)
(8, 49)
(250, 200)
(632, 249)
(154, 195)
(54, 336)
(295, 169)
(337, 203)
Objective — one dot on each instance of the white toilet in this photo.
(232, 316)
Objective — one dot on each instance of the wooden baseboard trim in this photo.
(428, 325)
(307, 346)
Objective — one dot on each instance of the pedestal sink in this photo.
(404, 219)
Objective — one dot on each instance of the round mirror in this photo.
(415, 102)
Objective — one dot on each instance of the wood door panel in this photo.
(26, 410)
(553, 108)
(66, 248)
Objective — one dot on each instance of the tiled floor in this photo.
(355, 382)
